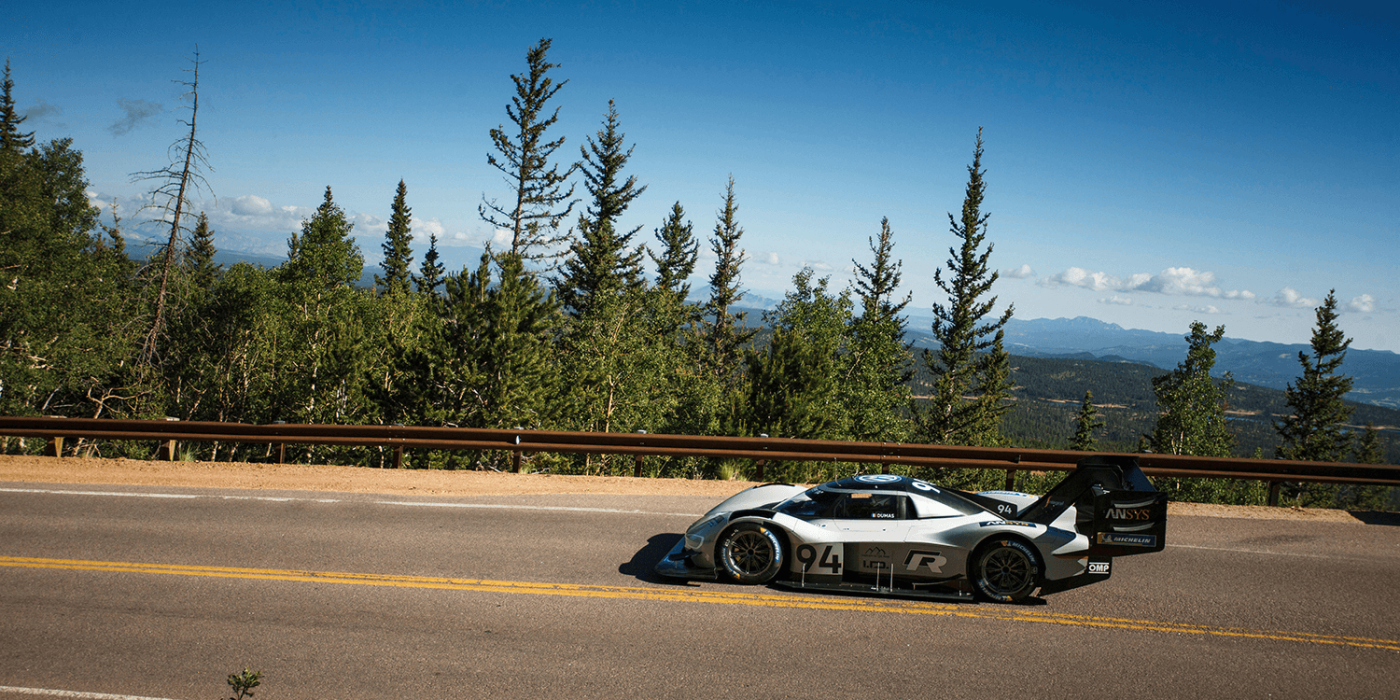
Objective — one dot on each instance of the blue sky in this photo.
(1147, 164)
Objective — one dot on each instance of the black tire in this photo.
(1006, 570)
(750, 553)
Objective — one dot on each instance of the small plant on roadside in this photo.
(244, 683)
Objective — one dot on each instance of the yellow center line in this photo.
(753, 597)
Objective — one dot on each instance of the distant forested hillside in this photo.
(1049, 392)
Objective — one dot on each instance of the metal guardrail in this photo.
(639, 445)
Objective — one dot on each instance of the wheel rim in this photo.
(1006, 570)
(750, 552)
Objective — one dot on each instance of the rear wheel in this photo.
(751, 553)
(1006, 571)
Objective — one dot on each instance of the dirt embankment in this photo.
(301, 477)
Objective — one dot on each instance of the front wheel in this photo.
(751, 553)
(1006, 571)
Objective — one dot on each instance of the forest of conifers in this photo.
(577, 325)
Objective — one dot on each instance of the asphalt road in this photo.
(354, 596)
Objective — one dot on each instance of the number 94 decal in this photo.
(818, 558)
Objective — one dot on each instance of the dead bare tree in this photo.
(170, 198)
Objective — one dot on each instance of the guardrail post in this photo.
(1274, 488)
(167, 450)
(398, 457)
(637, 461)
(54, 446)
(760, 464)
(515, 462)
(1010, 480)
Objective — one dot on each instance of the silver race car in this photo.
(896, 535)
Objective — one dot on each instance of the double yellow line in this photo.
(755, 597)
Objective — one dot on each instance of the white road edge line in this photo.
(73, 694)
(576, 509)
(286, 499)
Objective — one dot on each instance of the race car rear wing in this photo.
(1115, 506)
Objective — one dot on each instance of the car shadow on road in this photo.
(1371, 517)
(644, 561)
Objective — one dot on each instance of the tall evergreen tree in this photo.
(877, 385)
(723, 331)
(429, 276)
(325, 253)
(1313, 431)
(601, 262)
(199, 255)
(1087, 424)
(679, 251)
(971, 358)
(537, 186)
(12, 140)
(1192, 405)
(398, 253)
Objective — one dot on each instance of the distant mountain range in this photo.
(1375, 373)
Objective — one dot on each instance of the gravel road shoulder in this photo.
(302, 477)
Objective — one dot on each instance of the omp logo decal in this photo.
(673, 594)
(1129, 514)
(1098, 567)
(1130, 540)
(932, 560)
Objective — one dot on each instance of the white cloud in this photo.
(818, 266)
(1173, 281)
(1363, 304)
(502, 237)
(251, 205)
(1117, 301)
(769, 258)
(1208, 309)
(1184, 281)
(423, 229)
(1019, 273)
(1289, 298)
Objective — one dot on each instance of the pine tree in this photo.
(723, 331)
(877, 388)
(12, 140)
(325, 254)
(967, 360)
(429, 276)
(199, 255)
(398, 253)
(600, 262)
(795, 385)
(538, 187)
(1314, 432)
(679, 251)
(1192, 405)
(1086, 425)
(1368, 449)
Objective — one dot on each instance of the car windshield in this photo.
(815, 502)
